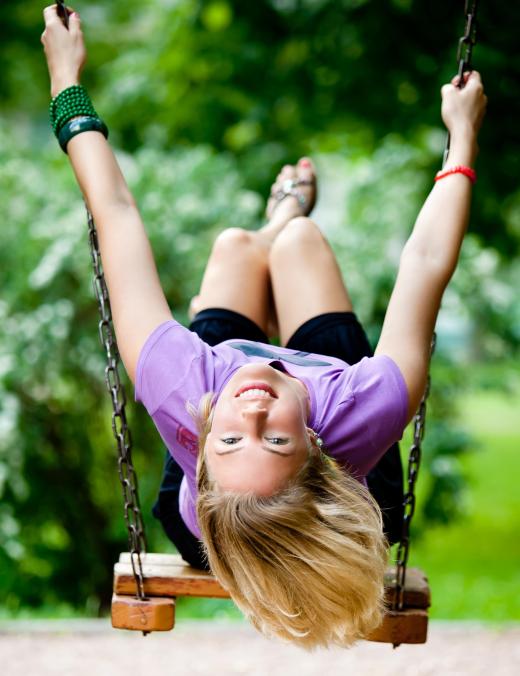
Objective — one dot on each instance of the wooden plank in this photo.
(416, 591)
(169, 575)
(168, 579)
(405, 626)
(156, 559)
(153, 614)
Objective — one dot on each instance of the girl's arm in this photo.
(431, 253)
(136, 297)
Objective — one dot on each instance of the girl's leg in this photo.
(237, 277)
(305, 277)
(279, 213)
(307, 283)
(237, 273)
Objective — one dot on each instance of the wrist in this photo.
(61, 82)
(463, 133)
(463, 148)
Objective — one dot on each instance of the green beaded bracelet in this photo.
(71, 102)
(77, 126)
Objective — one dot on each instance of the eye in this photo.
(230, 440)
(277, 441)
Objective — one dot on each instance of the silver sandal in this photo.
(289, 187)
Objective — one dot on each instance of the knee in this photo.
(233, 241)
(299, 234)
(237, 244)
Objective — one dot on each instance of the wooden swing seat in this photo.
(167, 576)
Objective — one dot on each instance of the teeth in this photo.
(254, 393)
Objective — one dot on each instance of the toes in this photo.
(287, 172)
(305, 169)
(302, 172)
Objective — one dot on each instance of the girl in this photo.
(271, 446)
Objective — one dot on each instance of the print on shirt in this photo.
(188, 440)
(255, 350)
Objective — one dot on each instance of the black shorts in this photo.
(334, 334)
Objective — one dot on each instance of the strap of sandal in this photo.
(289, 187)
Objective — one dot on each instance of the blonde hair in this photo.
(305, 564)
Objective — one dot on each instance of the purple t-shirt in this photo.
(359, 411)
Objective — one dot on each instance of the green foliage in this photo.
(61, 514)
(373, 203)
(354, 83)
(273, 79)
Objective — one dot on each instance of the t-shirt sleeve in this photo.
(173, 359)
(176, 367)
(371, 414)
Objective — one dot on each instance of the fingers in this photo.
(446, 89)
(472, 82)
(53, 21)
(474, 77)
(455, 81)
(470, 77)
(464, 106)
(50, 14)
(75, 23)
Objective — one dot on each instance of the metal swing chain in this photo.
(465, 53)
(464, 56)
(469, 39)
(126, 471)
(127, 475)
(414, 461)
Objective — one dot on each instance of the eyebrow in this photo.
(265, 448)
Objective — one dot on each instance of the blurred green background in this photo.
(205, 100)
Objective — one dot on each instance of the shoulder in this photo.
(371, 416)
(376, 370)
(165, 362)
(174, 360)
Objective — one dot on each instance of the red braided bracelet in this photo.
(461, 169)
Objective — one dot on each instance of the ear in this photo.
(314, 440)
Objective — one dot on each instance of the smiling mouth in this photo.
(256, 391)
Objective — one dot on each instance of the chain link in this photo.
(469, 39)
(127, 475)
(62, 12)
(120, 429)
(414, 461)
(464, 56)
(465, 53)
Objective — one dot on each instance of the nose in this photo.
(256, 410)
(254, 416)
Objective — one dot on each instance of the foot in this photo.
(293, 193)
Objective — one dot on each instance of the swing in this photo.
(146, 585)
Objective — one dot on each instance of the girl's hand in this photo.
(463, 109)
(64, 49)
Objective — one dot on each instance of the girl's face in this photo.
(258, 438)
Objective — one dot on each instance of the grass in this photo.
(473, 565)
